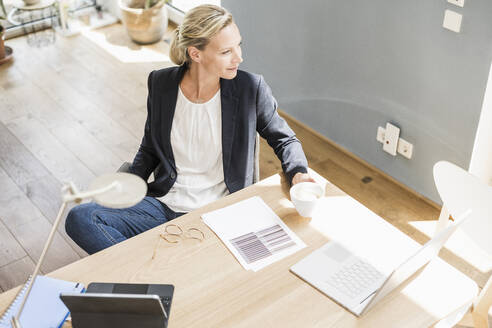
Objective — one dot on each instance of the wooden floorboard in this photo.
(96, 156)
(73, 103)
(32, 237)
(30, 227)
(58, 159)
(72, 111)
(10, 249)
(86, 112)
(17, 161)
(16, 209)
(16, 273)
(101, 64)
(45, 195)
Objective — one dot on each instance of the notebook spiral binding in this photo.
(5, 319)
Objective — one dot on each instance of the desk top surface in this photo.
(213, 290)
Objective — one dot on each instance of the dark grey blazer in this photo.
(247, 107)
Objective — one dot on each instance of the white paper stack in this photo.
(253, 233)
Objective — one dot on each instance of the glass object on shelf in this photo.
(36, 21)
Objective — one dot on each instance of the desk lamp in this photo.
(116, 190)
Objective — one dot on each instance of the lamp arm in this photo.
(16, 318)
(71, 193)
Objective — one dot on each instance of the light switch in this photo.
(459, 3)
(391, 136)
(452, 21)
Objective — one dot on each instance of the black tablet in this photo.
(104, 310)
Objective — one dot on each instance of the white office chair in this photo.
(125, 167)
(460, 191)
(256, 170)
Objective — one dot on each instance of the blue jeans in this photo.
(94, 227)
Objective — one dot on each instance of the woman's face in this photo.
(222, 55)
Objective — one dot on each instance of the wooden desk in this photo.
(213, 290)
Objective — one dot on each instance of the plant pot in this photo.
(2, 45)
(5, 52)
(144, 26)
(31, 2)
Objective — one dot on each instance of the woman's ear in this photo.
(194, 54)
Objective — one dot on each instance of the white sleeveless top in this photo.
(196, 140)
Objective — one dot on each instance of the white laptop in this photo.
(356, 284)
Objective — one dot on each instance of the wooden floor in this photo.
(72, 111)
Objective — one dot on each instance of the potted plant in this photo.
(5, 52)
(145, 20)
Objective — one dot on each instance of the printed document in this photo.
(253, 233)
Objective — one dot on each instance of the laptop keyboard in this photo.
(354, 278)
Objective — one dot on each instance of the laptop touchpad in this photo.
(337, 252)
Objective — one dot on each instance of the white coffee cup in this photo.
(306, 196)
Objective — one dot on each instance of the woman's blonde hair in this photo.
(200, 24)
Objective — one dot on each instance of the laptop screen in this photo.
(425, 254)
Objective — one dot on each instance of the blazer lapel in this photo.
(229, 104)
(168, 108)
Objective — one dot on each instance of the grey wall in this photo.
(346, 67)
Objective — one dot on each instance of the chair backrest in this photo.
(125, 167)
(460, 191)
(256, 170)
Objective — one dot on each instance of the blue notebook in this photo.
(44, 308)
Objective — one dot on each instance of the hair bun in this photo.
(204, 21)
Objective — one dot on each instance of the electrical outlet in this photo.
(391, 135)
(380, 135)
(405, 148)
(459, 3)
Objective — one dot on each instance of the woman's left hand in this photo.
(301, 177)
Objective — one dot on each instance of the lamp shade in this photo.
(128, 190)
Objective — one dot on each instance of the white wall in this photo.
(346, 67)
(481, 161)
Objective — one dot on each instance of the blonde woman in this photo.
(203, 116)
